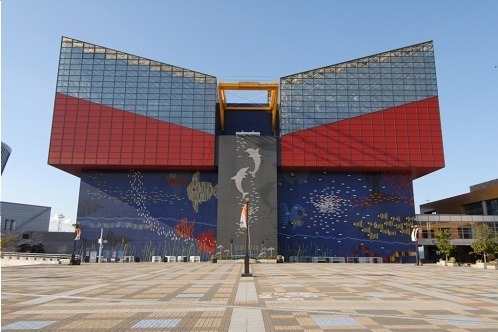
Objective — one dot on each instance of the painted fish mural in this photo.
(206, 241)
(297, 216)
(199, 192)
(185, 229)
(328, 203)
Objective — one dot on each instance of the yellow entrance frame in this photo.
(272, 89)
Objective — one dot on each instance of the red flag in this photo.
(415, 234)
(78, 233)
(243, 217)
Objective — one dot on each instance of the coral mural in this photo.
(337, 214)
(146, 214)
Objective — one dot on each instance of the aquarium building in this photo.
(166, 162)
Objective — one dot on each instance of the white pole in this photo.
(101, 244)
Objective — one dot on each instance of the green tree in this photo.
(486, 242)
(8, 241)
(444, 241)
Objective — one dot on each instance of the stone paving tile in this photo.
(288, 297)
(28, 325)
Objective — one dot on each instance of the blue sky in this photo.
(252, 40)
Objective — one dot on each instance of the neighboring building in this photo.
(22, 218)
(166, 162)
(482, 200)
(459, 213)
(53, 242)
(6, 151)
(30, 224)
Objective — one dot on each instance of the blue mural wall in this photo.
(248, 121)
(145, 214)
(346, 215)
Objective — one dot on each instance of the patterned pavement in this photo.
(279, 297)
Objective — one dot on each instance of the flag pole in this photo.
(246, 258)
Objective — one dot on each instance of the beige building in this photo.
(458, 213)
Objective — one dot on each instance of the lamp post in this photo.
(246, 258)
(61, 218)
(417, 258)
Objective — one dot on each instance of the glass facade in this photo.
(138, 85)
(474, 209)
(492, 207)
(465, 232)
(6, 151)
(477, 208)
(357, 87)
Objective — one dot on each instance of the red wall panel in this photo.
(402, 137)
(88, 135)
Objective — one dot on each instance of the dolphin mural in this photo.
(256, 157)
(241, 174)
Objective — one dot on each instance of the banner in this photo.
(243, 217)
(415, 234)
(77, 232)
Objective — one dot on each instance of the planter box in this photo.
(451, 264)
(479, 265)
(492, 267)
(441, 263)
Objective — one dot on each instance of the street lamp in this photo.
(246, 258)
(61, 218)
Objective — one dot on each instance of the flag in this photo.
(78, 233)
(243, 217)
(415, 234)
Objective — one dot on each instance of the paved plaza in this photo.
(279, 297)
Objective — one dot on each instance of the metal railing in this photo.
(33, 256)
(323, 259)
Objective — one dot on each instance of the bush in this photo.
(8, 241)
(32, 248)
